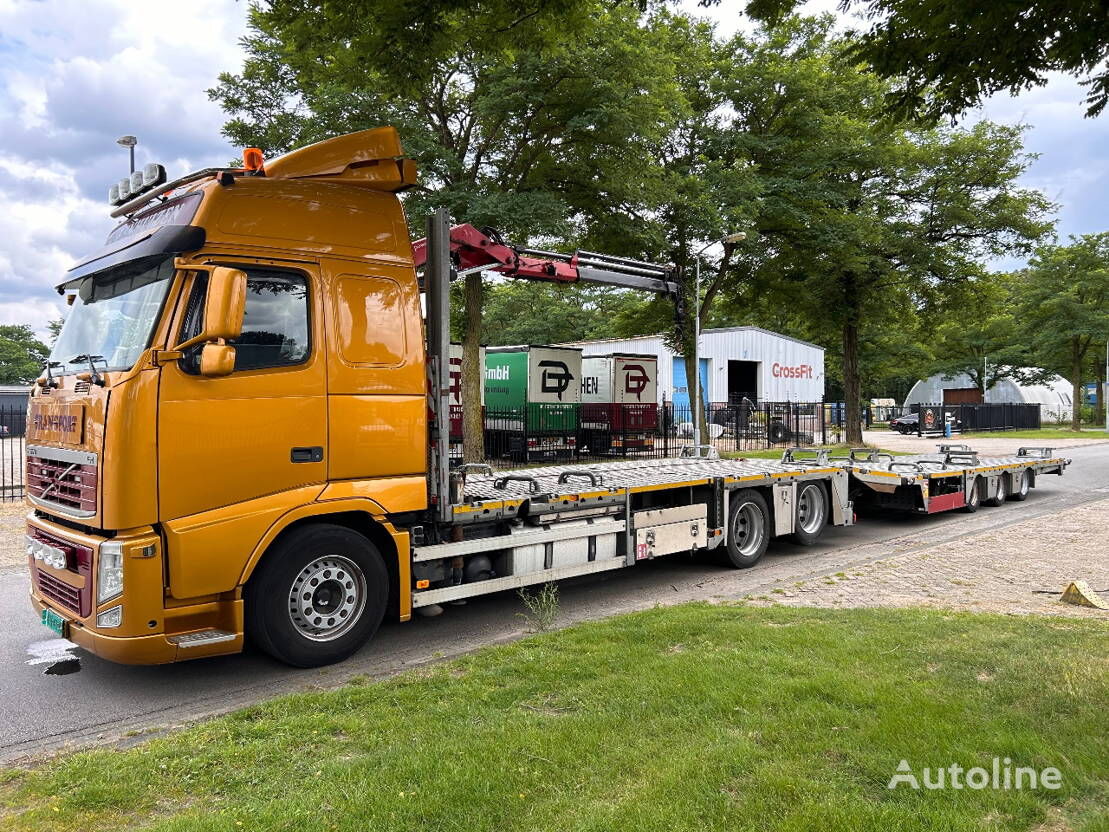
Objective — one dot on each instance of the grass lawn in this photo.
(1044, 433)
(693, 717)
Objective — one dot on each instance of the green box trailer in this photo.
(532, 401)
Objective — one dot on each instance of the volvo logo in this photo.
(635, 380)
(556, 377)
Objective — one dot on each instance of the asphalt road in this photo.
(101, 701)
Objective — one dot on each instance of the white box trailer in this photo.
(619, 409)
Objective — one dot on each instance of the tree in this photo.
(501, 126)
(946, 56)
(22, 355)
(977, 333)
(1064, 308)
(863, 219)
(55, 328)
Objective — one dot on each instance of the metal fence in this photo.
(977, 417)
(597, 432)
(13, 424)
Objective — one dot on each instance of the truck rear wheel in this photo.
(748, 528)
(318, 596)
(812, 513)
(1001, 494)
(1024, 483)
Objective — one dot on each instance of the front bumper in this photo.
(149, 631)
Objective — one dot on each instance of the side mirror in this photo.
(223, 315)
(223, 309)
(217, 360)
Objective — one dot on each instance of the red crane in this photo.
(476, 249)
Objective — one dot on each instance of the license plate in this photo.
(55, 622)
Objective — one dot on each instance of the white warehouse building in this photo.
(736, 361)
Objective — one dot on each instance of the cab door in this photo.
(262, 429)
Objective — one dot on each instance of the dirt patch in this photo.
(12, 524)
(1020, 569)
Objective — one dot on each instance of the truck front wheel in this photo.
(748, 528)
(318, 596)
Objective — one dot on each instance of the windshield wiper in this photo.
(51, 382)
(96, 378)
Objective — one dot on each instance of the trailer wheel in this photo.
(973, 496)
(1000, 495)
(778, 433)
(812, 513)
(748, 529)
(1024, 484)
(318, 596)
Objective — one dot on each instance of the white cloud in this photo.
(74, 76)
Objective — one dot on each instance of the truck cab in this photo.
(243, 358)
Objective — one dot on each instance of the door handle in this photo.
(313, 454)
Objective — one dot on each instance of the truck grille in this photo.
(79, 559)
(66, 479)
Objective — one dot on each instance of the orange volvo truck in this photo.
(243, 429)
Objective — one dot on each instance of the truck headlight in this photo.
(109, 572)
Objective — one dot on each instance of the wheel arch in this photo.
(359, 515)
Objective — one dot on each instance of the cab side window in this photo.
(275, 321)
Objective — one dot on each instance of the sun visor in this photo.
(147, 246)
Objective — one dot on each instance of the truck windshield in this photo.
(112, 318)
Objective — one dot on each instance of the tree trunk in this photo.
(852, 393)
(696, 402)
(473, 374)
(1099, 416)
(1077, 354)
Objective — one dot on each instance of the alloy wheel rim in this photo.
(810, 509)
(327, 598)
(747, 529)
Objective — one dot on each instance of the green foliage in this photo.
(978, 332)
(946, 58)
(1064, 308)
(22, 355)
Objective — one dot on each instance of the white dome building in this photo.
(1053, 396)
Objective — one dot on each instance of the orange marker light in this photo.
(423, 583)
(253, 161)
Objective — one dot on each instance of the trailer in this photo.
(955, 477)
(533, 402)
(619, 414)
(456, 374)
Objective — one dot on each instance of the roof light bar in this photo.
(129, 187)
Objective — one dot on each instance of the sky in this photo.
(75, 75)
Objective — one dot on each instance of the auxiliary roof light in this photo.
(151, 176)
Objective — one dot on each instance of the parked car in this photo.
(906, 423)
(5, 431)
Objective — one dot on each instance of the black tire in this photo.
(345, 576)
(973, 496)
(778, 433)
(812, 513)
(1000, 495)
(1019, 493)
(904, 430)
(748, 531)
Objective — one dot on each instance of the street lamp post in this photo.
(129, 142)
(729, 239)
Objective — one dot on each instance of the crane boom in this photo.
(472, 248)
